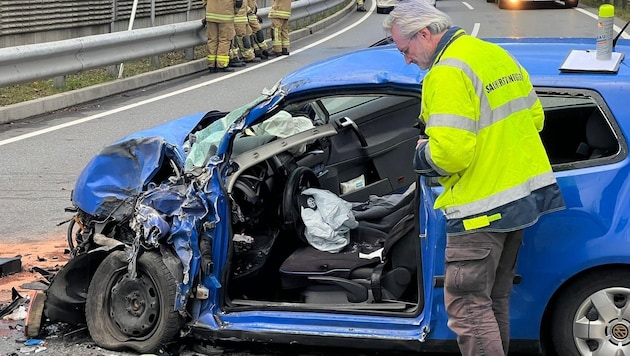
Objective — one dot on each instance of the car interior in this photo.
(577, 131)
(359, 156)
(359, 149)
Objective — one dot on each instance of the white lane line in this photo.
(475, 30)
(615, 27)
(182, 91)
(468, 5)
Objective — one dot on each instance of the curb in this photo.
(41, 106)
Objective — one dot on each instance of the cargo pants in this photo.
(477, 285)
(220, 37)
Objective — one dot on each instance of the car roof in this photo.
(375, 67)
(384, 66)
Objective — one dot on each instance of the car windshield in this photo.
(204, 143)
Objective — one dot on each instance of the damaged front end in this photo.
(137, 242)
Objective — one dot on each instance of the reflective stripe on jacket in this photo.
(220, 11)
(483, 119)
(280, 9)
(241, 15)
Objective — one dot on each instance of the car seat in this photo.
(600, 139)
(378, 264)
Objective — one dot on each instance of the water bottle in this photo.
(605, 32)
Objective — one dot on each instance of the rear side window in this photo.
(579, 130)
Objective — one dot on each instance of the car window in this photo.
(335, 105)
(579, 129)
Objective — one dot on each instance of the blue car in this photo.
(298, 219)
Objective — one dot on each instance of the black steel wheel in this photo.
(138, 314)
(592, 316)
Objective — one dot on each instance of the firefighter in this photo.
(360, 6)
(279, 14)
(483, 119)
(219, 23)
(243, 34)
(257, 36)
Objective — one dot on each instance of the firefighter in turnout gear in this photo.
(360, 6)
(258, 36)
(219, 23)
(279, 14)
(243, 33)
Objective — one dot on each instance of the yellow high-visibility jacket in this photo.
(280, 9)
(483, 119)
(220, 11)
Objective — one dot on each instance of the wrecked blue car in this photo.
(298, 219)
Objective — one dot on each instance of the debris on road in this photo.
(10, 265)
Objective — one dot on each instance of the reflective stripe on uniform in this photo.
(501, 198)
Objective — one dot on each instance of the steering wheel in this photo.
(300, 179)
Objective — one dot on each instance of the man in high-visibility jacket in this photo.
(482, 120)
(279, 14)
(219, 23)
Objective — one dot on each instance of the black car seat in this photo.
(600, 139)
(378, 264)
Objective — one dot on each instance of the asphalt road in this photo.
(41, 157)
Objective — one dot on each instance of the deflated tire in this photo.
(138, 314)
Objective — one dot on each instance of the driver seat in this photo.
(379, 263)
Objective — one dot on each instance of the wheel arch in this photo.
(545, 323)
(67, 292)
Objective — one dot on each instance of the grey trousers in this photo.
(477, 286)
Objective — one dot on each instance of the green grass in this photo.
(619, 11)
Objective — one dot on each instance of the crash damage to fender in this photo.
(133, 197)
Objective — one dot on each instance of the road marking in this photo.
(181, 91)
(475, 30)
(468, 5)
(615, 27)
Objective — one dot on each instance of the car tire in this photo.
(570, 3)
(575, 308)
(137, 314)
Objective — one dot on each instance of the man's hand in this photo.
(421, 140)
(203, 21)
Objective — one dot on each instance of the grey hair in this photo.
(411, 16)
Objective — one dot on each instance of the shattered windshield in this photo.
(204, 143)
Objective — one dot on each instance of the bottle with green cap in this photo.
(605, 32)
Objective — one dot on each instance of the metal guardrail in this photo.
(21, 64)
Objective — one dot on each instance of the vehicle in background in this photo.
(515, 4)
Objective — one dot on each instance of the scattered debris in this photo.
(10, 265)
(35, 315)
(18, 313)
(16, 300)
(35, 342)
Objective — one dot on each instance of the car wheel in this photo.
(592, 316)
(137, 314)
(570, 3)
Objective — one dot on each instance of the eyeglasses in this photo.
(405, 50)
